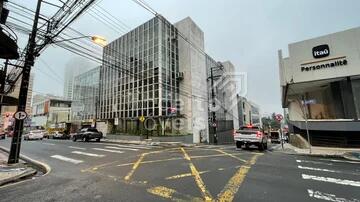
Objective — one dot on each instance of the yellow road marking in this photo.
(185, 175)
(135, 166)
(162, 191)
(171, 159)
(231, 155)
(171, 194)
(206, 194)
(231, 188)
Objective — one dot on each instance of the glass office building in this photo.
(140, 74)
(85, 95)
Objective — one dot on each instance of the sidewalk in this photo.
(348, 153)
(14, 172)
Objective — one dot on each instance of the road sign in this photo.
(142, 118)
(279, 117)
(20, 115)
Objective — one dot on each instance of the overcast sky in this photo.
(246, 32)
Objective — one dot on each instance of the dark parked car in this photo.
(87, 134)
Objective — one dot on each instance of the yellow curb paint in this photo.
(199, 182)
(135, 166)
(231, 188)
(231, 155)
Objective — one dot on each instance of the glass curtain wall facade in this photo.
(139, 73)
(85, 96)
(334, 100)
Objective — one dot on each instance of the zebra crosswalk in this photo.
(78, 155)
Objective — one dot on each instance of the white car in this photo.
(34, 135)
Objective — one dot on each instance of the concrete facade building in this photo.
(51, 111)
(320, 81)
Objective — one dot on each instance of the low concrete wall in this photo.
(183, 139)
(298, 141)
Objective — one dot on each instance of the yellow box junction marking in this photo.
(231, 155)
(206, 194)
(185, 175)
(162, 191)
(232, 187)
(135, 166)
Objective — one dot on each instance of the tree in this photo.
(270, 121)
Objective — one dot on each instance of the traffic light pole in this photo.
(28, 63)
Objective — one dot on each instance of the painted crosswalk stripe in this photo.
(328, 197)
(341, 161)
(122, 148)
(128, 146)
(331, 180)
(314, 162)
(108, 150)
(81, 148)
(318, 169)
(87, 154)
(63, 158)
(48, 143)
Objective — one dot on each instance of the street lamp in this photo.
(99, 40)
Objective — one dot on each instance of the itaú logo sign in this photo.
(321, 51)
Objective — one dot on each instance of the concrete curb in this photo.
(352, 156)
(27, 173)
(43, 167)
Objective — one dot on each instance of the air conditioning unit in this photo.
(180, 75)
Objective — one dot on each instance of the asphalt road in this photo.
(112, 172)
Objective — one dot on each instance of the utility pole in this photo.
(29, 62)
(213, 105)
(3, 78)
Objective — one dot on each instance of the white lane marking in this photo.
(314, 162)
(48, 143)
(121, 145)
(122, 148)
(87, 154)
(81, 148)
(318, 169)
(329, 197)
(108, 150)
(331, 180)
(341, 161)
(63, 158)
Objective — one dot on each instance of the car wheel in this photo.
(261, 146)
(238, 144)
(74, 139)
